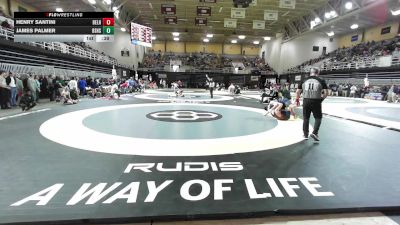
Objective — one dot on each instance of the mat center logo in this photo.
(184, 116)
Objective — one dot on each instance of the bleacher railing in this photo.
(49, 70)
(230, 70)
(384, 61)
(8, 34)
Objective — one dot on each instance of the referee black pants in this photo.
(313, 106)
(211, 92)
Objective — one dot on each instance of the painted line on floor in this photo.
(24, 114)
(243, 97)
(364, 122)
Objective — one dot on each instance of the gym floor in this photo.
(155, 157)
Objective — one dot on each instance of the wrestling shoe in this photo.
(315, 137)
(305, 137)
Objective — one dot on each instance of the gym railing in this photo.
(225, 70)
(35, 60)
(362, 63)
(49, 70)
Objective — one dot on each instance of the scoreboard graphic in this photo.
(64, 26)
(141, 35)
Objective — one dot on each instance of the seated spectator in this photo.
(66, 97)
(27, 101)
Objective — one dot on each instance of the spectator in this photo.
(12, 83)
(4, 92)
(334, 89)
(72, 84)
(82, 86)
(44, 86)
(20, 88)
(345, 90)
(37, 94)
(353, 90)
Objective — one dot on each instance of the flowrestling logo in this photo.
(184, 116)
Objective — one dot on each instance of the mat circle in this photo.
(283, 134)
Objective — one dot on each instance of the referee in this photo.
(314, 91)
(211, 86)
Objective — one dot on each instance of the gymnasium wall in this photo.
(216, 48)
(370, 34)
(348, 40)
(158, 46)
(177, 47)
(15, 6)
(193, 47)
(3, 6)
(272, 51)
(299, 50)
(121, 42)
(232, 49)
(251, 50)
(375, 32)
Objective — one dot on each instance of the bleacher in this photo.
(362, 56)
(204, 62)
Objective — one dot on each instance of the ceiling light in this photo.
(123, 29)
(92, 2)
(176, 39)
(206, 40)
(354, 26)
(234, 41)
(153, 38)
(331, 14)
(327, 15)
(317, 20)
(59, 10)
(256, 42)
(241, 37)
(396, 12)
(312, 24)
(175, 34)
(330, 34)
(348, 5)
(108, 2)
(210, 35)
(267, 38)
(114, 8)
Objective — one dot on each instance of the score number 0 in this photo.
(108, 21)
(108, 26)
